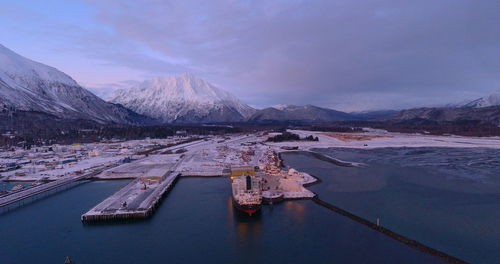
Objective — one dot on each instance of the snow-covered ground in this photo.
(210, 156)
(140, 168)
(56, 161)
(387, 139)
(66, 170)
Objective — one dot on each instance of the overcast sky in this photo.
(346, 54)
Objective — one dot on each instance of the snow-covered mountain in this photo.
(491, 100)
(182, 99)
(483, 115)
(26, 85)
(281, 106)
(300, 114)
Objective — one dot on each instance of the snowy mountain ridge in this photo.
(281, 106)
(26, 71)
(183, 99)
(27, 85)
(298, 113)
(490, 100)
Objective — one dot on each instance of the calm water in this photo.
(448, 199)
(196, 223)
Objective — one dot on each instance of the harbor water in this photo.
(445, 198)
(196, 223)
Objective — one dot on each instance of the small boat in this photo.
(17, 187)
(270, 197)
(35, 183)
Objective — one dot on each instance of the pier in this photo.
(136, 200)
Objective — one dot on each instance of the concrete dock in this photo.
(130, 202)
(138, 199)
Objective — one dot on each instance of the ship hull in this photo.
(246, 208)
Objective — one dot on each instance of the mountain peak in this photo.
(485, 101)
(182, 98)
(26, 71)
(188, 75)
(490, 100)
(281, 106)
(180, 88)
(28, 85)
(290, 107)
(295, 113)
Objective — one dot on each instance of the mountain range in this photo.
(484, 115)
(29, 86)
(43, 92)
(485, 110)
(298, 114)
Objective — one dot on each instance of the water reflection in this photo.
(247, 228)
(296, 210)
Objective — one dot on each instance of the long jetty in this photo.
(405, 240)
(44, 188)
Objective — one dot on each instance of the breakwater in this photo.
(340, 183)
(318, 156)
(410, 242)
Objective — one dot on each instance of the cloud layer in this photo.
(349, 55)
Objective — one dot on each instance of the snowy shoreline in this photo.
(384, 139)
(380, 139)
